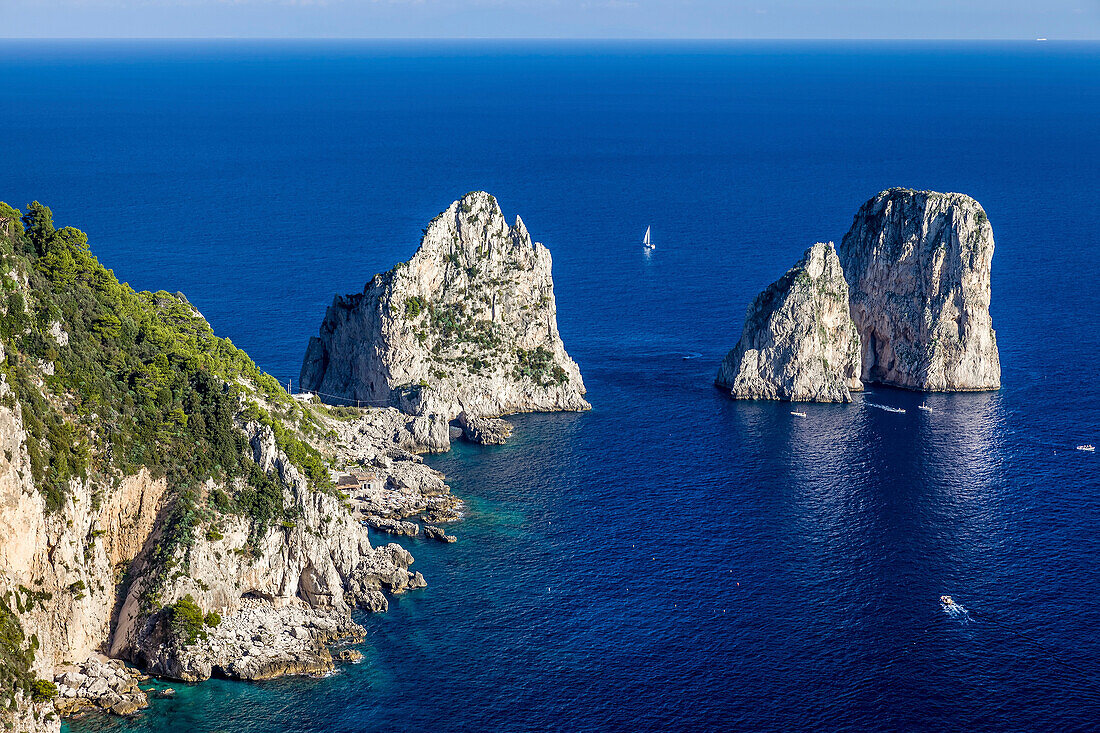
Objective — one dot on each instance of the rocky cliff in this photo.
(163, 501)
(59, 567)
(798, 342)
(918, 270)
(903, 301)
(306, 573)
(468, 325)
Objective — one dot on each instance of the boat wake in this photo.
(884, 407)
(955, 611)
(1083, 676)
(692, 355)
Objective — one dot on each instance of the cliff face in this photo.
(312, 571)
(468, 325)
(918, 270)
(59, 568)
(164, 501)
(68, 560)
(799, 342)
(903, 301)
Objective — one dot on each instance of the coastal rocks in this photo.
(107, 685)
(485, 430)
(390, 481)
(259, 641)
(392, 526)
(440, 515)
(323, 562)
(437, 534)
(918, 270)
(468, 325)
(373, 601)
(798, 342)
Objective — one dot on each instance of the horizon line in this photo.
(715, 39)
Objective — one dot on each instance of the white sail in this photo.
(646, 241)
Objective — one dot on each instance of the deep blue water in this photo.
(672, 559)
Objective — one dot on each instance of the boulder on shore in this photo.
(485, 430)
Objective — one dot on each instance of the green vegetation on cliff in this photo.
(16, 658)
(538, 365)
(185, 619)
(111, 381)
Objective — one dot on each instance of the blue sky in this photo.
(1022, 19)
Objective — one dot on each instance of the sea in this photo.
(673, 559)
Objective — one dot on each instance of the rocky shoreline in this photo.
(261, 642)
(100, 684)
(251, 568)
(256, 643)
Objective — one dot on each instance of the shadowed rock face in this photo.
(799, 342)
(918, 270)
(468, 325)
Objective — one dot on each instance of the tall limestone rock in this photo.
(468, 325)
(918, 270)
(799, 342)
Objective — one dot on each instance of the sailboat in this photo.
(645, 240)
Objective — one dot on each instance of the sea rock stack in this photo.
(799, 342)
(918, 270)
(468, 325)
(903, 301)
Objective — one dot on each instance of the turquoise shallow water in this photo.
(671, 559)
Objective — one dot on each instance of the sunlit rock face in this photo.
(468, 325)
(918, 270)
(799, 342)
